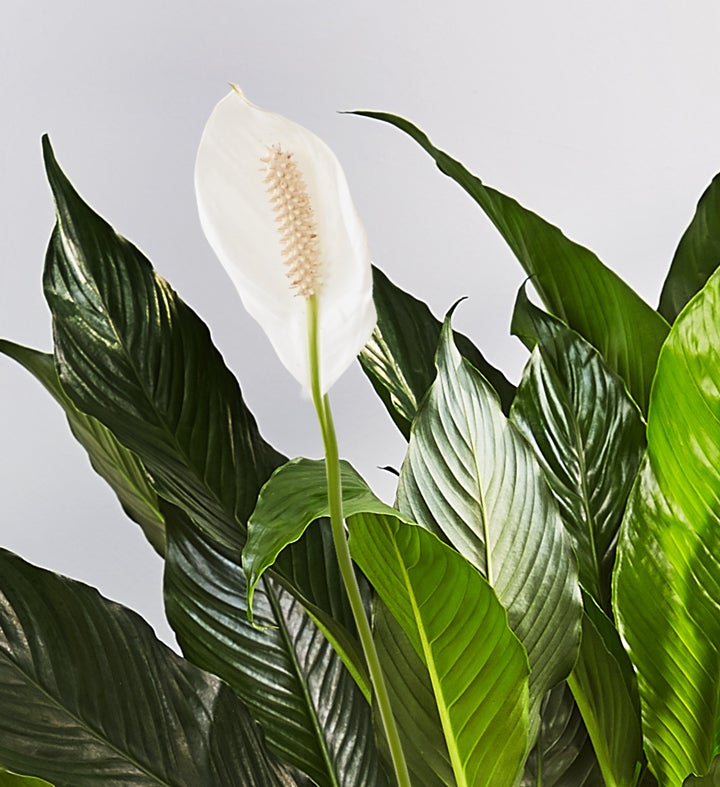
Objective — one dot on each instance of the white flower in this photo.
(276, 208)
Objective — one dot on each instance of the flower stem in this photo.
(334, 489)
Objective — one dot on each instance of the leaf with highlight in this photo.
(472, 479)
(478, 668)
(587, 434)
(90, 696)
(667, 578)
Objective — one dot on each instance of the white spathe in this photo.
(239, 222)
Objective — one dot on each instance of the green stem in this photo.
(334, 488)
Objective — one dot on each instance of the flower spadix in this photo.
(275, 206)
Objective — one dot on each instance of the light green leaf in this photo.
(399, 357)
(287, 673)
(603, 686)
(413, 703)
(90, 697)
(571, 280)
(563, 755)
(133, 355)
(696, 257)
(8, 779)
(473, 480)
(587, 434)
(110, 460)
(478, 669)
(667, 578)
(295, 496)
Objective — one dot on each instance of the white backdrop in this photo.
(603, 118)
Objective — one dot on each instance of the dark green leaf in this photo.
(571, 280)
(112, 461)
(132, 354)
(399, 358)
(603, 687)
(696, 257)
(90, 697)
(710, 779)
(471, 478)
(287, 673)
(478, 669)
(563, 755)
(587, 434)
(667, 579)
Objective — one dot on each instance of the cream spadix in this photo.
(275, 206)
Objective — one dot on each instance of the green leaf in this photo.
(563, 755)
(587, 434)
(571, 280)
(478, 669)
(110, 460)
(710, 779)
(667, 578)
(8, 779)
(287, 673)
(399, 356)
(603, 686)
(696, 257)
(471, 478)
(133, 355)
(295, 496)
(413, 703)
(90, 697)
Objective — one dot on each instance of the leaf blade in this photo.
(571, 280)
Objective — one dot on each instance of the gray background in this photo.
(602, 117)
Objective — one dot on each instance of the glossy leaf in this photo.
(132, 354)
(286, 672)
(696, 257)
(470, 478)
(399, 358)
(563, 755)
(603, 686)
(587, 434)
(111, 460)
(91, 697)
(478, 669)
(571, 280)
(413, 703)
(293, 498)
(667, 579)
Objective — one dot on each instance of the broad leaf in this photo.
(111, 460)
(287, 673)
(603, 686)
(132, 354)
(295, 496)
(571, 280)
(587, 434)
(471, 478)
(667, 580)
(90, 696)
(710, 779)
(413, 703)
(478, 669)
(399, 357)
(696, 257)
(563, 755)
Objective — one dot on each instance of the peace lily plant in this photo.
(539, 606)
